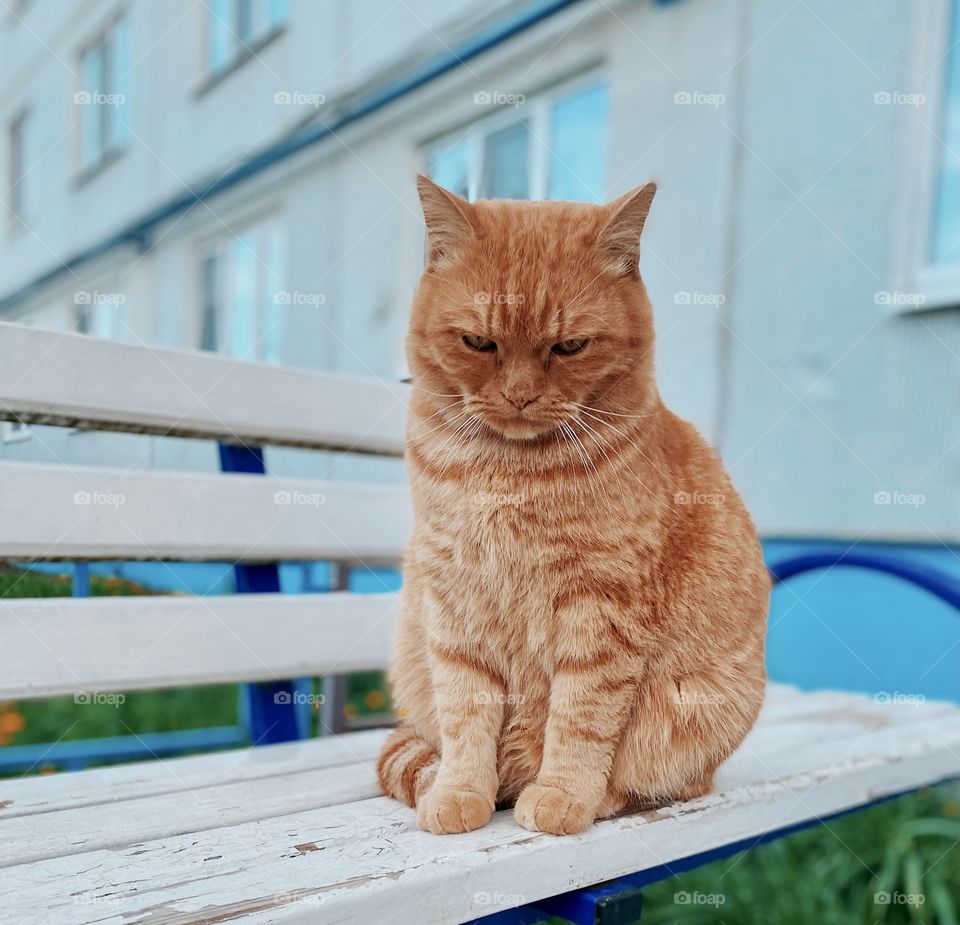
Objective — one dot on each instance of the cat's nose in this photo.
(520, 401)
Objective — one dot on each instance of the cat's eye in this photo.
(476, 342)
(569, 347)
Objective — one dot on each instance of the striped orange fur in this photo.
(584, 604)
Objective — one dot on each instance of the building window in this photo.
(235, 28)
(241, 296)
(946, 231)
(553, 146)
(23, 156)
(15, 431)
(104, 95)
(99, 318)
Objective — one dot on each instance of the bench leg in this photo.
(271, 707)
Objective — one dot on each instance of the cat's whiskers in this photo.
(414, 385)
(441, 426)
(460, 437)
(616, 414)
(636, 445)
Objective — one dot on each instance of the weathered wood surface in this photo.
(67, 646)
(51, 377)
(364, 860)
(54, 513)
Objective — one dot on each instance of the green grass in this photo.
(904, 851)
(834, 874)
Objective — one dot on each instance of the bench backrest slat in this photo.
(65, 646)
(68, 512)
(73, 380)
(53, 513)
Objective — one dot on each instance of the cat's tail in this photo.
(406, 765)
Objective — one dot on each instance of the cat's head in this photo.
(527, 311)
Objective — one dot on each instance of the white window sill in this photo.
(936, 289)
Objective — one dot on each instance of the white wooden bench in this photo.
(299, 832)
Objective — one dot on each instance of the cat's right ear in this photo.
(447, 218)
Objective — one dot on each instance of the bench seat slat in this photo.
(189, 810)
(365, 860)
(64, 646)
(196, 807)
(36, 795)
(51, 377)
(52, 513)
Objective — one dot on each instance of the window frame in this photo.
(16, 431)
(914, 271)
(537, 110)
(241, 49)
(16, 149)
(109, 149)
(217, 248)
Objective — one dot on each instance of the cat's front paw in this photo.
(550, 809)
(447, 811)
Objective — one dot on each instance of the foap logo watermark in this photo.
(513, 700)
(698, 698)
(494, 500)
(713, 499)
(698, 98)
(94, 297)
(498, 98)
(899, 299)
(95, 98)
(293, 898)
(99, 698)
(698, 298)
(498, 298)
(696, 898)
(299, 698)
(89, 899)
(298, 98)
(895, 898)
(897, 697)
(99, 498)
(899, 498)
(286, 297)
(488, 898)
(898, 98)
(305, 498)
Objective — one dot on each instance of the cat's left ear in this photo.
(620, 237)
(447, 219)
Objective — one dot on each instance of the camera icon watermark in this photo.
(96, 98)
(305, 498)
(94, 297)
(900, 498)
(698, 98)
(897, 98)
(99, 499)
(298, 98)
(282, 698)
(895, 898)
(99, 698)
(899, 299)
(696, 898)
(483, 297)
(498, 98)
(288, 297)
(683, 297)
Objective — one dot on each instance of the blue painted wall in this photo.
(857, 630)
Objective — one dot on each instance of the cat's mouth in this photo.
(520, 428)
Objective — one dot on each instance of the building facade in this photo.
(238, 175)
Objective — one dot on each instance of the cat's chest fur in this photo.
(501, 550)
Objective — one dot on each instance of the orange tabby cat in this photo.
(583, 612)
